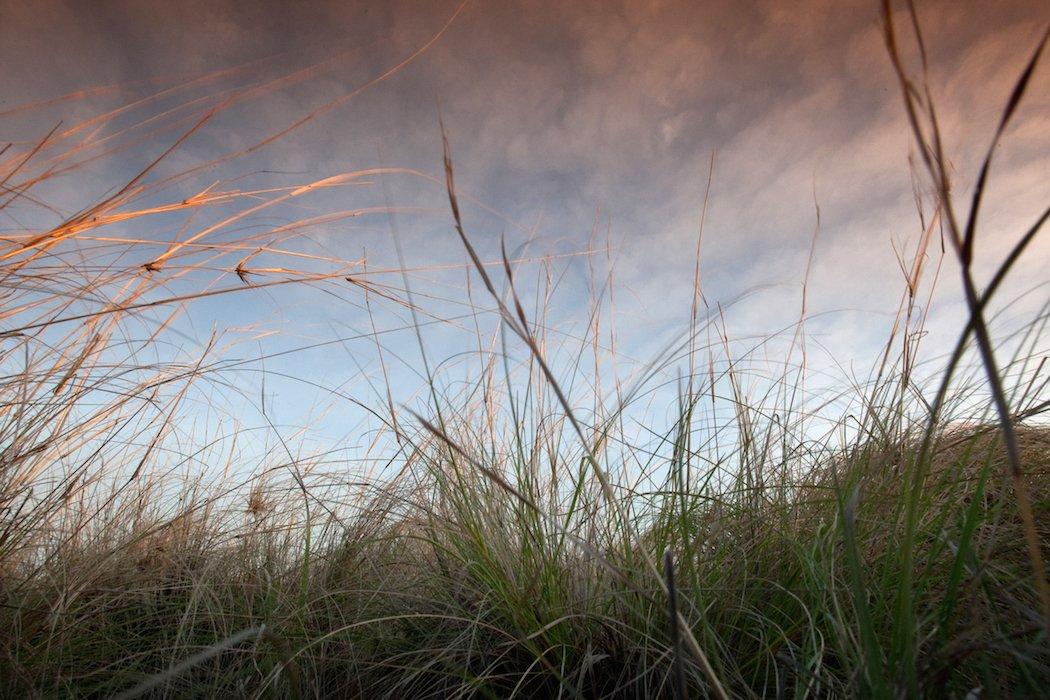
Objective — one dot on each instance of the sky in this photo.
(582, 130)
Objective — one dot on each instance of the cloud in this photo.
(559, 108)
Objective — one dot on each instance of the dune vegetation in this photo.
(887, 540)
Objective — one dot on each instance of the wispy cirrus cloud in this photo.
(559, 110)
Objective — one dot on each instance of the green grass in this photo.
(885, 542)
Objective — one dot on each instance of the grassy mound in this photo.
(453, 586)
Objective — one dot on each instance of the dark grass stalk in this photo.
(929, 142)
(676, 637)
